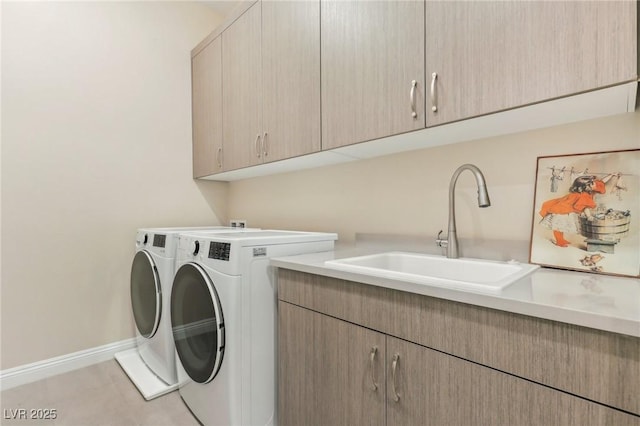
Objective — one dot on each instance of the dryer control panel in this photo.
(219, 251)
(159, 240)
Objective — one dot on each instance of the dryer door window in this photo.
(146, 294)
(198, 324)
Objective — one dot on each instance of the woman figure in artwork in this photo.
(561, 214)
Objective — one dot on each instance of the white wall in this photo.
(96, 142)
(407, 193)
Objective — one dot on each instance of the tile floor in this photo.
(100, 394)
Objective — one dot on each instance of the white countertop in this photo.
(591, 300)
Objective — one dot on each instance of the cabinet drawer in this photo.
(594, 364)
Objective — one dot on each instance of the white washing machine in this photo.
(151, 364)
(223, 314)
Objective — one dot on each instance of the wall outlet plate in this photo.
(238, 223)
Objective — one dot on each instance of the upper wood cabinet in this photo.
(271, 80)
(242, 91)
(291, 78)
(494, 55)
(282, 79)
(372, 51)
(206, 80)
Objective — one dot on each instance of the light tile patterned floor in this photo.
(101, 394)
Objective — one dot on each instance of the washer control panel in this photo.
(219, 251)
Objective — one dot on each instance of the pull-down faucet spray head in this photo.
(483, 195)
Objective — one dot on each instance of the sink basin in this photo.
(465, 274)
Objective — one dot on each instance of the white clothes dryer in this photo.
(151, 364)
(223, 314)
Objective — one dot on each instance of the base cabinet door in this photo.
(327, 369)
(428, 387)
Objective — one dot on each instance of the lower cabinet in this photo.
(327, 370)
(334, 372)
(434, 388)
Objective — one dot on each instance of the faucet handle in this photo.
(441, 242)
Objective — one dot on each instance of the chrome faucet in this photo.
(451, 242)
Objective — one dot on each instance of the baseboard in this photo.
(28, 373)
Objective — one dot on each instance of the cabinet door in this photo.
(291, 76)
(206, 87)
(494, 55)
(438, 389)
(371, 53)
(242, 96)
(325, 372)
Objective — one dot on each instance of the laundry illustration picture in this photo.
(587, 218)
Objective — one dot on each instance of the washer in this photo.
(151, 364)
(223, 314)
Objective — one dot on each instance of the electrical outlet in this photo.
(238, 223)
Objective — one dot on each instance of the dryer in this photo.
(223, 315)
(151, 364)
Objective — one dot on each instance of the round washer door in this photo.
(146, 294)
(197, 322)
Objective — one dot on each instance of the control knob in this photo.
(195, 247)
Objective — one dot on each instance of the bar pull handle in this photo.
(434, 102)
(258, 148)
(394, 367)
(412, 97)
(219, 157)
(372, 357)
(265, 144)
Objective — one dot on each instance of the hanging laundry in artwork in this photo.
(556, 176)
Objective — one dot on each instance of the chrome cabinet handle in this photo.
(265, 144)
(258, 149)
(412, 97)
(394, 367)
(374, 385)
(219, 157)
(434, 104)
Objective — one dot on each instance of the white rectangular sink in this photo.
(464, 274)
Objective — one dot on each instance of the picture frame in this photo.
(586, 213)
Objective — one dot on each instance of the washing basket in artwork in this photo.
(605, 229)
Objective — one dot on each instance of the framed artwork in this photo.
(586, 213)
